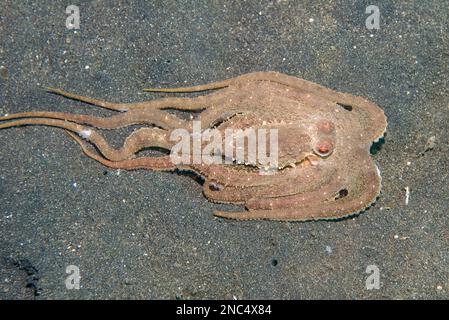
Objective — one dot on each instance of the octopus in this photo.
(325, 169)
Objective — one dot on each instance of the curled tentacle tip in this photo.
(228, 215)
(49, 89)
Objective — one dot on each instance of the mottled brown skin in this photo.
(325, 168)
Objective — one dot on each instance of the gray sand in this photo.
(147, 235)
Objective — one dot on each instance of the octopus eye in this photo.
(323, 148)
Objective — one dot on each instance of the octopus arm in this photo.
(162, 163)
(361, 192)
(270, 195)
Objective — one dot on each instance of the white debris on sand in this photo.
(85, 134)
(407, 195)
(430, 144)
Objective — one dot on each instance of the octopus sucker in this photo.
(323, 171)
